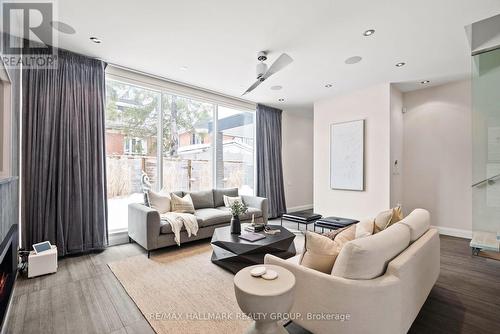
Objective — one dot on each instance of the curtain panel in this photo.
(269, 163)
(63, 149)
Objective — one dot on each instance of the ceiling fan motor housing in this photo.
(261, 69)
(261, 56)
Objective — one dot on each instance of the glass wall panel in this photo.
(235, 149)
(187, 144)
(486, 151)
(131, 146)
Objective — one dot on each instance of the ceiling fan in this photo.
(263, 72)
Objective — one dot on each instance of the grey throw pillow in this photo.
(202, 199)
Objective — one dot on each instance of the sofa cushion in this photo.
(184, 204)
(367, 258)
(387, 218)
(202, 199)
(382, 220)
(159, 201)
(166, 228)
(219, 195)
(208, 217)
(364, 228)
(247, 215)
(205, 217)
(418, 222)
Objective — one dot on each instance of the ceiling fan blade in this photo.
(252, 87)
(283, 61)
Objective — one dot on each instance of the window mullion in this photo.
(214, 146)
(159, 146)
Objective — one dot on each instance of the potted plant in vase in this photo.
(237, 209)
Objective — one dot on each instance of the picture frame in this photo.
(347, 155)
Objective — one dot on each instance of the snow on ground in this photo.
(118, 211)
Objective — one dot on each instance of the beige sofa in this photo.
(380, 282)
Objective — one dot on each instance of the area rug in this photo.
(180, 290)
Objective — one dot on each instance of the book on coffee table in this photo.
(252, 236)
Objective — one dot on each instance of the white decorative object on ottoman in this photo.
(42, 263)
(266, 301)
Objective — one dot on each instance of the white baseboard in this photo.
(299, 208)
(454, 232)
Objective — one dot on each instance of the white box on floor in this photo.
(43, 263)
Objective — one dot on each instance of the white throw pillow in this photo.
(228, 201)
(159, 202)
(364, 228)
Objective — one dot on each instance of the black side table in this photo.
(301, 217)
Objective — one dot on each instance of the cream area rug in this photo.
(180, 290)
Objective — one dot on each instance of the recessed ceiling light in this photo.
(95, 40)
(276, 87)
(328, 86)
(281, 100)
(401, 64)
(184, 68)
(63, 27)
(353, 60)
(424, 82)
(369, 32)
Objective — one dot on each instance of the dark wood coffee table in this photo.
(234, 254)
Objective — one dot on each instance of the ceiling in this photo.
(218, 41)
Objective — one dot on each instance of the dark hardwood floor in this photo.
(466, 297)
(85, 297)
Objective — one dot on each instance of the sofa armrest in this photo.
(372, 306)
(260, 203)
(144, 225)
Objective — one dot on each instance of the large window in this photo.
(187, 152)
(131, 146)
(235, 149)
(203, 145)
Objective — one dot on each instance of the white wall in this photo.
(437, 155)
(373, 105)
(297, 154)
(396, 147)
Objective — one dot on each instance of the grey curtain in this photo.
(269, 164)
(64, 179)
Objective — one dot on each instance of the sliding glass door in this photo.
(180, 143)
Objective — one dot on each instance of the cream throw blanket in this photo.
(177, 220)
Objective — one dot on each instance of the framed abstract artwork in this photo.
(347, 141)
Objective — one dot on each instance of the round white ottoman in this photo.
(265, 301)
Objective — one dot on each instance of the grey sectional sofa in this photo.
(146, 228)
